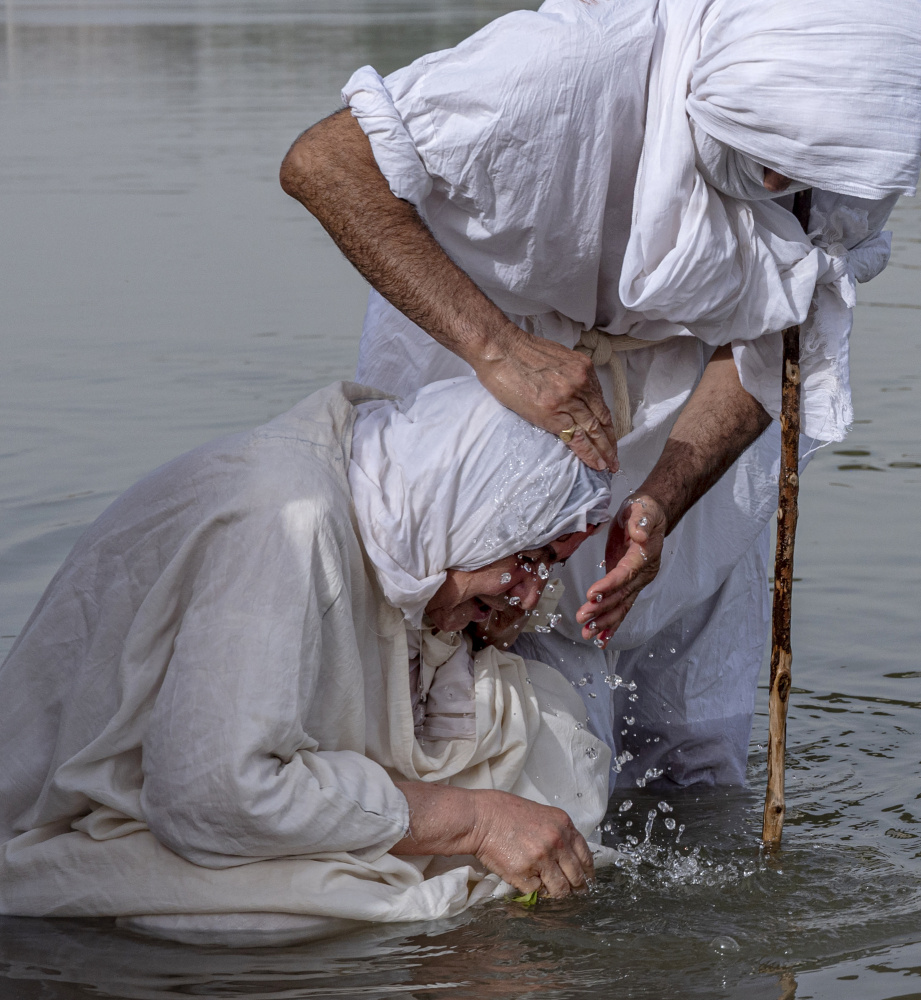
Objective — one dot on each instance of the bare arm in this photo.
(529, 845)
(718, 423)
(332, 172)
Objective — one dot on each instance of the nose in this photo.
(529, 590)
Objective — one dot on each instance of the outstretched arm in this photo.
(332, 172)
(718, 423)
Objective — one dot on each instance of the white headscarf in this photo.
(451, 479)
(826, 92)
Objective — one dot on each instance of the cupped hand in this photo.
(533, 847)
(634, 551)
(555, 388)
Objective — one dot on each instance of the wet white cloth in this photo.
(521, 487)
(521, 148)
(531, 151)
(207, 711)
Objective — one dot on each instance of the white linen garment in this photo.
(449, 477)
(201, 724)
(552, 154)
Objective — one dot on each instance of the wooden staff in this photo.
(787, 513)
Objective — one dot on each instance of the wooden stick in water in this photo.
(787, 513)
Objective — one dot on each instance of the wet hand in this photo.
(634, 550)
(555, 388)
(533, 847)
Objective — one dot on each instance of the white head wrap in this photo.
(451, 479)
(826, 92)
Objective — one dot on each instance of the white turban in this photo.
(451, 479)
(827, 93)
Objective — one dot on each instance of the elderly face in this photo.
(472, 596)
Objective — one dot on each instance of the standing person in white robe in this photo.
(243, 704)
(618, 176)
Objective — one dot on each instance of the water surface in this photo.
(157, 289)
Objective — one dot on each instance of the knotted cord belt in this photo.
(604, 349)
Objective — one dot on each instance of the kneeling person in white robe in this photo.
(244, 701)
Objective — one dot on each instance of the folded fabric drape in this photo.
(520, 487)
(828, 94)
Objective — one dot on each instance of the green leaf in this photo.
(529, 900)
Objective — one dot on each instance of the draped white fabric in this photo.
(449, 478)
(522, 149)
(208, 709)
(826, 93)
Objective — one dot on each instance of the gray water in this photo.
(158, 289)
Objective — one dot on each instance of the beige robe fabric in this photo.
(201, 724)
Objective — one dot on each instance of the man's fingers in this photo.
(595, 432)
(556, 883)
(577, 864)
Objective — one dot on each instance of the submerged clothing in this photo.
(202, 722)
(553, 156)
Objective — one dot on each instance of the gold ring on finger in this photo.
(567, 435)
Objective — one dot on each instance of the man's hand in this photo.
(531, 846)
(633, 552)
(332, 172)
(555, 388)
(717, 424)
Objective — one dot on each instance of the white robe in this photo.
(202, 722)
(520, 148)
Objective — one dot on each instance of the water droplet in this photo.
(664, 807)
(542, 628)
(505, 578)
(514, 600)
(599, 598)
(653, 773)
(625, 806)
(644, 521)
(631, 686)
(680, 831)
(633, 697)
(671, 649)
(543, 572)
(579, 725)
(591, 753)
(640, 782)
(629, 719)
(725, 944)
(592, 694)
(623, 732)
(599, 643)
(669, 823)
(603, 564)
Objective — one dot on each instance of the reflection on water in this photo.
(157, 289)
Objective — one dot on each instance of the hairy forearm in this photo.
(718, 423)
(331, 170)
